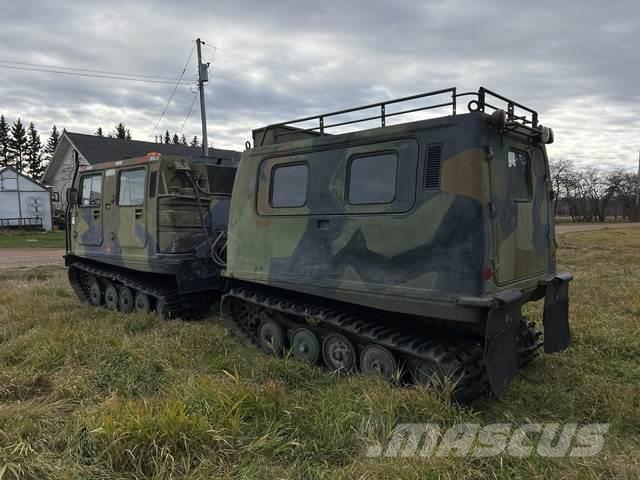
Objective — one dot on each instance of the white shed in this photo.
(23, 201)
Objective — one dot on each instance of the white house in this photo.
(23, 201)
(92, 149)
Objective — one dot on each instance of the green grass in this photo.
(86, 393)
(23, 239)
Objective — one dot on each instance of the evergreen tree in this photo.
(18, 146)
(183, 140)
(195, 142)
(34, 153)
(52, 143)
(167, 137)
(121, 131)
(4, 142)
(99, 132)
(176, 139)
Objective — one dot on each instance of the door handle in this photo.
(139, 212)
(96, 214)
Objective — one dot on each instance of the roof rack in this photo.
(520, 119)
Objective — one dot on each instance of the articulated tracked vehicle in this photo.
(149, 233)
(403, 250)
(408, 247)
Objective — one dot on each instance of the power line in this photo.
(59, 67)
(195, 95)
(174, 90)
(92, 75)
(255, 62)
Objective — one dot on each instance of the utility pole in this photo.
(203, 76)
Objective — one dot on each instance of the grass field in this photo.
(86, 393)
(54, 239)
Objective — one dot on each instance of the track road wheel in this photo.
(271, 337)
(338, 353)
(141, 302)
(95, 294)
(111, 299)
(305, 345)
(378, 361)
(125, 300)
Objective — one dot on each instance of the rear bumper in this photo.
(503, 323)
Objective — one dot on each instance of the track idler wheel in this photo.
(338, 353)
(378, 361)
(125, 300)
(111, 297)
(95, 293)
(142, 303)
(305, 345)
(271, 337)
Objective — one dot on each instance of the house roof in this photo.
(97, 149)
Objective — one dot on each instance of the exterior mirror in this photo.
(72, 196)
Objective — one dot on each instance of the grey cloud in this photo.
(574, 61)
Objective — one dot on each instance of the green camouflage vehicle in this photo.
(144, 232)
(404, 250)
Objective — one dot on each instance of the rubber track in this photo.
(458, 357)
(176, 306)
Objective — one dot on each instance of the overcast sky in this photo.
(576, 62)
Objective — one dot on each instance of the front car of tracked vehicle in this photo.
(148, 221)
(454, 242)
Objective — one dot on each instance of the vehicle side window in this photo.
(91, 191)
(372, 179)
(519, 175)
(289, 185)
(131, 187)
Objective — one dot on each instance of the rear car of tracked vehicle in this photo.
(149, 233)
(405, 250)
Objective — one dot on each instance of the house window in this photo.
(289, 185)
(519, 175)
(91, 191)
(372, 179)
(131, 188)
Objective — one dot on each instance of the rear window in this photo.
(372, 179)
(519, 175)
(289, 186)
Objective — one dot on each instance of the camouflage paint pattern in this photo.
(439, 252)
(165, 229)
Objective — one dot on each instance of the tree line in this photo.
(591, 194)
(22, 148)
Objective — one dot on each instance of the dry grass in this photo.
(87, 393)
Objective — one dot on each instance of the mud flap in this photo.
(501, 340)
(557, 335)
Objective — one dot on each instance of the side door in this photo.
(130, 211)
(89, 216)
(520, 199)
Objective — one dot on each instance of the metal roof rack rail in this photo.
(520, 119)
